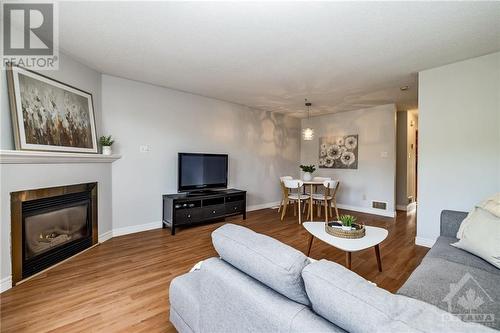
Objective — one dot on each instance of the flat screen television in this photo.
(198, 172)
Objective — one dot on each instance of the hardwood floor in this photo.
(122, 284)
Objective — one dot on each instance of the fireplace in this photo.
(50, 225)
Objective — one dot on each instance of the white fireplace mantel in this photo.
(38, 157)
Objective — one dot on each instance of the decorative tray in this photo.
(335, 229)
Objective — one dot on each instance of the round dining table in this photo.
(311, 184)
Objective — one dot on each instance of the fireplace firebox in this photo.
(50, 225)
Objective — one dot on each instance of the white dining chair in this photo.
(284, 192)
(290, 185)
(315, 190)
(328, 197)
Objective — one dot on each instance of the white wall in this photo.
(262, 146)
(70, 72)
(375, 177)
(459, 139)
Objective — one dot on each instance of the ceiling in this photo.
(271, 55)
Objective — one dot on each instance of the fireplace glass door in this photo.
(48, 230)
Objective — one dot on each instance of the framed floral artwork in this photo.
(49, 115)
(338, 152)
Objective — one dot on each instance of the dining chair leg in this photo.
(335, 205)
(300, 212)
(308, 209)
(326, 211)
(319, 208)
(281, 205)
(283, 212)
(295, 208)
(330, 208)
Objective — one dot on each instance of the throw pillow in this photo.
(491, 205)
(482, 236)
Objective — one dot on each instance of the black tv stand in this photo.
(186, 209)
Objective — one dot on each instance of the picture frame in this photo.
(339, 152)
(49, 115)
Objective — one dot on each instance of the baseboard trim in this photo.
(263, 206)
(136, 228)
(5, 283)
(367, 210)
(427, 242)
(105, 236)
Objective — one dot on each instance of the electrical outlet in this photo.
(364, 196)
(144, 148)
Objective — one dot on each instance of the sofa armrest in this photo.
(450, 222)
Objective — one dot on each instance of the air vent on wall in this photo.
(379, 205)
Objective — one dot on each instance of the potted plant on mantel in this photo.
(308, 170)
(106, 142)
(347, 221)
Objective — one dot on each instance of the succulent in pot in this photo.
(106, 142)
(347, 221)
(308, 170)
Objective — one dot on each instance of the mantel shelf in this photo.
(37, 157)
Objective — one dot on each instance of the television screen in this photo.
(202, 171)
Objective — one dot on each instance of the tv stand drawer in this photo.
(214, 211)
(186, 216)
(234, 207)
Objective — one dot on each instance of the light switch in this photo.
(144, 148)
(384, 154)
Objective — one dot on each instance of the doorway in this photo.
(406, 160)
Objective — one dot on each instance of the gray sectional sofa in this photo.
(262, 285)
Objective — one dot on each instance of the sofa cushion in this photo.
(267, 260)
(356, 305)
(434, 279)
(443, 249)
(184, 302)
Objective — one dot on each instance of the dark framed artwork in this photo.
(49, 115)
(338, 152)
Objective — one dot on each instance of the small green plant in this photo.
(347, 220)
(106, 141)
(308, 168)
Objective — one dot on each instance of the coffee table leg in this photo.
(379, 262)
(310, 245)
(348, 260)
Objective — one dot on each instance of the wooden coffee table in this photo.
(374, 236)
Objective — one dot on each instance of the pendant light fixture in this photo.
(308, 133)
